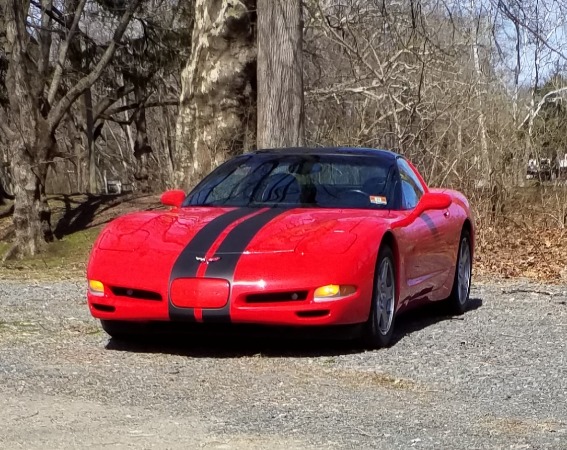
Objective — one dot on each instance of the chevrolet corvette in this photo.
(289, 237)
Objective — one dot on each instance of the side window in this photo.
(412, 190)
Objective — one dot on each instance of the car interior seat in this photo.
(281, 188)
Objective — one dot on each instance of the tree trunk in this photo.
(217, 85)
(32, 216)
(89, 134)
(280, 74)
(76, 137)
(142, 147)
(31, 147)
(483, 160)
(169, 145)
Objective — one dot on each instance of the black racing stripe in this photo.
(230, 251)
(186, 265)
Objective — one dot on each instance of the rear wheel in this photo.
(459, 298)
(380, 326)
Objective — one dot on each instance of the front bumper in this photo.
(240, 309)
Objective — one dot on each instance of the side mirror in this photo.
(429, 201)
(173, 198)
(434, 200)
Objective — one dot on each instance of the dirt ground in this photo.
(494, 378)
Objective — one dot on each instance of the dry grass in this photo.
(326, 373)
(378, 379)
(19, 327)
(77, 220)
(516, 426)
(65, 259)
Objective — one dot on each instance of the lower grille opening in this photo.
(273, 297)
(135, 293)
(311, 314)
(104, 308)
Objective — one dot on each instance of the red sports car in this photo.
(294, 237)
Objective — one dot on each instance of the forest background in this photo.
(147, 95)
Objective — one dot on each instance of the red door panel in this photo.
(426, 252)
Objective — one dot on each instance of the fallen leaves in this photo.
(510, 251)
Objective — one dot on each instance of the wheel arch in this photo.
(467, 226)
(389, 240)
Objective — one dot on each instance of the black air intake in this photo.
(276, 297)
(135, 293)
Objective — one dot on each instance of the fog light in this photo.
(333, 292)
(96, 288)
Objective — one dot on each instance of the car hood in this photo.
(256, 232)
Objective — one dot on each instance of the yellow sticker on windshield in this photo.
(378, 200)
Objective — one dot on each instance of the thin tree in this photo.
(280, 73)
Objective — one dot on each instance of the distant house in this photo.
(546, 169)
(562, 166)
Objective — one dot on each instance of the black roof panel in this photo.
(330, 151)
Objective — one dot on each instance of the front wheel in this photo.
(459, 298)
(380, 325)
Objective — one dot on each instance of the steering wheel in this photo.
(355, 191)
(360, 198)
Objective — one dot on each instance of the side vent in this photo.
(313, 314)
(104, 308)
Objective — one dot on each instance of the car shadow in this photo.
(275, 342)
(420, 318)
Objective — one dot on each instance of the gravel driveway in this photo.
(495, 378)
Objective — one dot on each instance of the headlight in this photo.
(333, 292)
(96, 288)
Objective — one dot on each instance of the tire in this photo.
(123, 330)
(459, 299)
(379, 328)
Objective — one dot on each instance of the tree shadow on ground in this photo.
(79, 213)
(209, 341)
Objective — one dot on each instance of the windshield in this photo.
(305, 180)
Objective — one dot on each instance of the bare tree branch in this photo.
(532, 114)
(137, 105)
(524, 24)
(59, 18)
(110, 100)
(56, 80)
(45, 41)
(59, 111)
